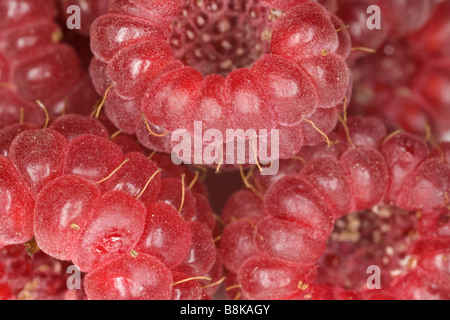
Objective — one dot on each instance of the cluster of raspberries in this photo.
(93, 94)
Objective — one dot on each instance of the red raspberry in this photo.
(398, 20)
(39, 277)
(35, 65)
(405, 82)
(85, 200)
(202, 72)
(384, 180)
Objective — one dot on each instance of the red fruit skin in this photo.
(166, 235)
(8, 134)
(367, 174)
(39, 277)
(128, 278)
(73, 125)
(353, 13)
(242, 204)
(433, 253)
(289, 240)
(386, 179)
(403, 153)
(12, 14)
(265, 278)
(304, 31)
(112, 228)
(288, 167)
(291, 140)
(330, 76)
(288, 87)
(416, 286)
(202, 253)
(10, 106)
(105, 44)
(133, 176)
(328, 177)
(157, 10)
(16, 206)
(203, 212)
(170, 96)
(431, 40)
(5, 292)
(344, 38)
(38, 156)
(152, 142)
(96, 165)
(34, 66)
(417, 14)
(150, 57)
(172, 193)
(128, 144)
(123, 113)
(190, 290)
(98, 73)
(20, 42)
(211, 106)
(427, 187)
(324, 119)
(249, 104)
(45, 76)
(310, 59)
(211, 287)
(61, 209)
(237, 243)
(363, 132)
(292, 198)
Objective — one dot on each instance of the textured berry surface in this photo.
(40, 277)
(36, 65)
(96, 207)
(112, 214)
(404, 83)
(230, 64)
(370, 199)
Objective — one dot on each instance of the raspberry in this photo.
(17, 215)
(369, 185)
(352, 192)
(50, 220)
(355, 14)
(106, 233)
(40, 277)
(202, 253)
(108, 211)
(34, 65)
(189, 290)
(404, 85)
(210, 71)
(237, 243)
(279, 75)
(262, 277)
(166, 235)
(419, 90)
(430, 41)
(295, 39)
(143, 277)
